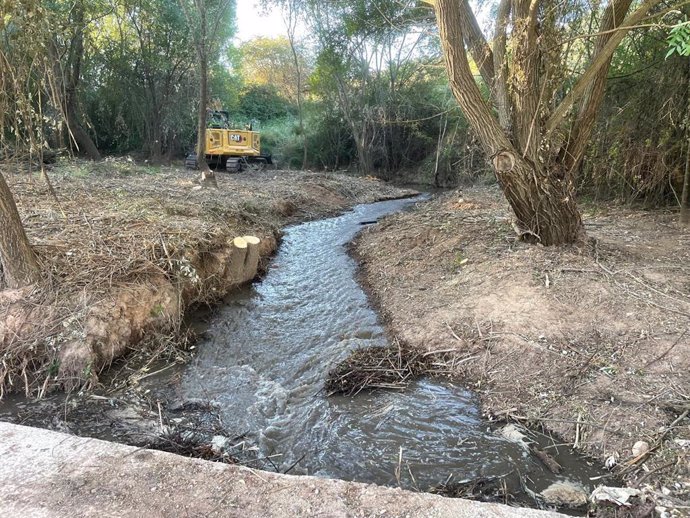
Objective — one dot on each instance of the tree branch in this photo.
(500, 87)
(599, 61)
(476, 42)
(594, 93)
(462, 83)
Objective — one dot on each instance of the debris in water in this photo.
(391, 367)
(615, 495)
(548, 461)
(513, 434)
(484, 489)
(565, 494)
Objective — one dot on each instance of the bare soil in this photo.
(127, 249)
(591, 344)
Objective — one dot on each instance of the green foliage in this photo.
(262, 103)
(679, 39)
(636, 152)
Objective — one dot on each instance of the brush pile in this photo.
(390, 367)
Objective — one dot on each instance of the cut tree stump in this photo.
(237, 257)
(251, 261)
(244, 259)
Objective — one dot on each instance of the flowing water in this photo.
(267, 353)
(265, 357)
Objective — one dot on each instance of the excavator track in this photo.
(231, 164)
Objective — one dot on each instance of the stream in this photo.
(267, 353)
(263, 361)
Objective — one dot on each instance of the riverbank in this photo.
(590, 345)
(128, 249)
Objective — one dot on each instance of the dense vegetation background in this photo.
(356, 84)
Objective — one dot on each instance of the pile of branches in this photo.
(389, 367)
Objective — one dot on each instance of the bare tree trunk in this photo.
(17, 259)
(291, 24)
(77, 133)
(208, 177)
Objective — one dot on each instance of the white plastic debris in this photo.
(513, 434)
(616, 495)
(219, 444)
(611, 461)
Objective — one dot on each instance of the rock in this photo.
(219, 444)
(640, 448)
(565, 494)
(616, 495)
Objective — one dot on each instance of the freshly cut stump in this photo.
(237, 257)
(251, 260)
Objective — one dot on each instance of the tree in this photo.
(210, 25)
(270, 62)
(290, 17)
(161, 52)
(67, 49)
(364, 48)
(533, 154)
(679, 43)
(24, 74)
(18, 264)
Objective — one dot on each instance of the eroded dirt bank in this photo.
(128, 249)
(592, 345)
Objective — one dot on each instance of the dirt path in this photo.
(127, 249)
(592, 345)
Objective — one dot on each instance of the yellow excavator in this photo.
(229, 148)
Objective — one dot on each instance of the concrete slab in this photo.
(49, 474)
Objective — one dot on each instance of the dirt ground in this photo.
(590, 344)
(127, 249)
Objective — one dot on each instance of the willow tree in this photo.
(539, 118)
(23, 72)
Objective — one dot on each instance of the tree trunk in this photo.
(594, 94)
(208, 177)
(78, 134)
(291, 27)
(542, 200)
(75, 56)
(17, 259)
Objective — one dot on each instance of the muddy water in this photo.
(267, 353)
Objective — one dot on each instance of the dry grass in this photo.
(127, 248)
